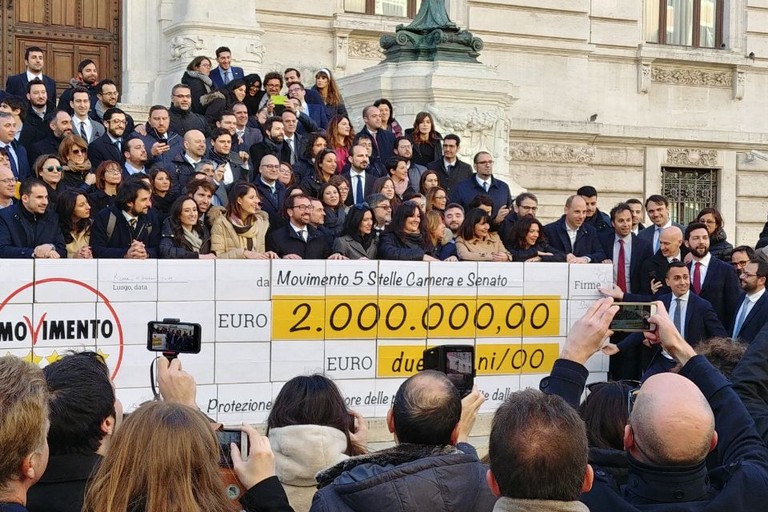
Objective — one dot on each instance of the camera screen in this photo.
(173, 337)
(225, 453)
(632, 317)
(458, 368)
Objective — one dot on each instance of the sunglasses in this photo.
(51, 168)
(78, 151)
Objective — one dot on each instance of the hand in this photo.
(253, 255)
(42, 250)
(666, 333)
(261, 461)
(607, 260)
(175, 384)
(542, 253)
(499, 256)
(140, 129)
(451, 258)
(218, 174)
(270, 107)
(158, 148)
(85, 253)
(610, 349)
(244, 156)
(655, 286)
(688, 258)
(534, 259)
(53, 255)
(289, 106)
(587, 334)
(292, 257)
(503, 212)
(570, 258)
(470, 405)
(90, 178)
(360, 434)
(272, 255)
(427, 257)
(209, 256)
(337, 256)
(614, 292)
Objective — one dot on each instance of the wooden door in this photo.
(68, 30)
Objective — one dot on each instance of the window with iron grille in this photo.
(688, 191)
(397, 8)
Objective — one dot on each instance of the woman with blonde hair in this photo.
(164, 457)
(240, 231)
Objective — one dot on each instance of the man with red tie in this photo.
(711, 278)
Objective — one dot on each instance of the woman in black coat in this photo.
(528, 243)
(200, 84)
(405, 238)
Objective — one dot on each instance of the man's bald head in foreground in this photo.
(671, 423)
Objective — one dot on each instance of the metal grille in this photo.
(688, 191)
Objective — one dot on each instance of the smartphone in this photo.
(278, 99)
(177, 337)
(227, 436)
(633, 317)
(457, 362)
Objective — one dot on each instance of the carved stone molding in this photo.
(186, 47)
(692, 157)
(691, 76)
(256, 48)
(739, 79)
(365, 49)
(557, 153)
(644, 77)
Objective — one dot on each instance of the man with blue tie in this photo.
(361, 181)
(753, 304)
(224, 72)
(694, 318)
(657, 207)
(271, 191)
(17, 155)
(711, 278)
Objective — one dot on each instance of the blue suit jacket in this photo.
(383, 148)
(23, 167)
(647, 233)
(218, 81)
(17, 85)
(721, 288)
(641, 252)
(467, 190)
(586, 244)
(755, 321)
(700, 322)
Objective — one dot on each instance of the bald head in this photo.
(670, 240)
(671, 423)
(575, 211)
(194, 144)
(426, 410)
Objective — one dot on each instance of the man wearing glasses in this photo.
(382, 211)
(753, 303)
(7, 186)
(298, 240)
(676, 420)
(269, 187)
(483, 182)
(110, 145)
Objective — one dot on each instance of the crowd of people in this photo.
(237, 167)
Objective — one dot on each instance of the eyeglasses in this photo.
(8, 181)
(384, 207)
(484, 162)
(529, 208)
(747, 274)
(78, 151)
(113, 171)
(270, 166)
(51, 168)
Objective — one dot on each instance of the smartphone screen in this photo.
(182, 338)
(225, 437)
(633, 317)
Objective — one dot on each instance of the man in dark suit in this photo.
(35, 61)
(752, 314)
(273, 143)
(125, 230)
(29, 229)
(572, 237)
(60, 125)
(316, 110)
(599, 220)
(638, 214)
(224, 73)
(16, 152)
(483, 182)
(657, 207)
(271, 191)
(245, 136)
(711, 278)
(110, 145)
(450, 170)
(32, 115)
(360, 180)
(620, 245)
(298, 240)
(383, 140)
(107, 97)
(693, 316)
(229, 166)
(654, 269)
(291, 138)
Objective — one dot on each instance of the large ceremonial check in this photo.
(363, 323)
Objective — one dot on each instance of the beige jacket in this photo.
(79, 240)
(227, 244)
(480, 250)
(300, 452)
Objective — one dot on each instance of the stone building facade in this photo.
(592, 94)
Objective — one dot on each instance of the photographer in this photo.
(175, 468)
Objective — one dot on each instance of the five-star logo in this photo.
(58, 330)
